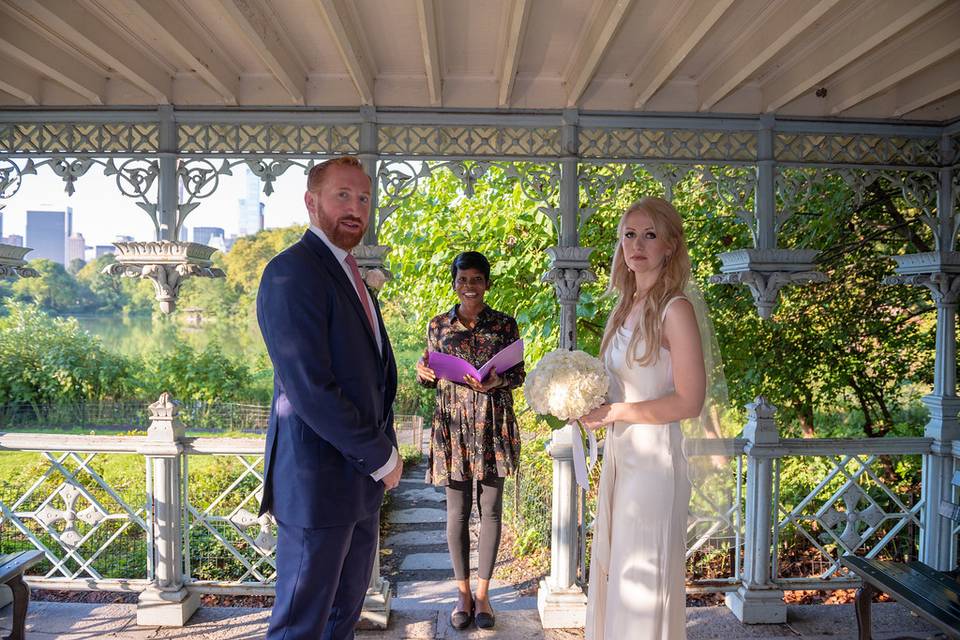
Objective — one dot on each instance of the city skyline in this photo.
(229, 208)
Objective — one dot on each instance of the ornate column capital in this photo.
(569, 269)
(12, 263)
(938, 271)
(766, 271)
(166, 264)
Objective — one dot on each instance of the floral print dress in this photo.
(473, 435)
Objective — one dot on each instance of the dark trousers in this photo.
(322, 579)
(459, 506)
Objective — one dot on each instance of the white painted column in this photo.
(166, 602)
(758, 600)
(938, 546)
(562, 602)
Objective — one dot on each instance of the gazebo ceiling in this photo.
(889, 59)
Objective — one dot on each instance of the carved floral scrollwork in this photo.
(400, 179)
(599, 187)
(10, 179)
(12, 263)
(668, 175)
(795, 188)
(735, 187)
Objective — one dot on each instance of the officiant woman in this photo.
(474, 442)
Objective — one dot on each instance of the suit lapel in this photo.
(347, 290)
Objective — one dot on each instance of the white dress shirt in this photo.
(341, 257)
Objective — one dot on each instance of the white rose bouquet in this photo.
(566, 385)
(563, 386)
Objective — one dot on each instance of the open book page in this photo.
(447, 367)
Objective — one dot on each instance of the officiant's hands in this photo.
(599, 417)
(492, 382)
(425, 373)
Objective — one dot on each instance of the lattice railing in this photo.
(68, 496)
(852, 500)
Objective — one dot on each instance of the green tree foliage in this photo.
(55, 290)
(188, 374)
(45, 360)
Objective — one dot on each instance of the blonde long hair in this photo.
(673, 278)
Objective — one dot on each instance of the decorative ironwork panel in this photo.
(399, 179)
(293, 139)
(485, 141)
(856, 149)
(81, 511)
(668, 144)
(854, 507)
(78, 137)
(226, 540)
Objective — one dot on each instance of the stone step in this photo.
(441, 595)
(431, 561)
(418, 515)
(424, 538)
(427, 494)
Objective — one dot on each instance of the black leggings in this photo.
(459, 506)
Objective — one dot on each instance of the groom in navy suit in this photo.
(331, 448)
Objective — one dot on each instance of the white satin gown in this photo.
(637, 566)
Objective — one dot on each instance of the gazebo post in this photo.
(560, 600)
(939, 271)
(376, 604)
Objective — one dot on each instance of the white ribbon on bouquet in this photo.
(581, 467)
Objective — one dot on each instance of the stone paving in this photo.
(65, 621)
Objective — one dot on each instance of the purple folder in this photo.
(453, 368)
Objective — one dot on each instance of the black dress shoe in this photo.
(485, 620)
(460, 620)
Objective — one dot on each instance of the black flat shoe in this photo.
(460, 620)
(485, 620)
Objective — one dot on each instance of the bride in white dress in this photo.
(653, 353)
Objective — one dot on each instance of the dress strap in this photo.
(667, 306)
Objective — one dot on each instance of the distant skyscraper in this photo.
(183, 234)
(119, 238)
(76, 248)
(204, 235)
(13, 239)
(47, 233)
(103, 249)
(250, 209)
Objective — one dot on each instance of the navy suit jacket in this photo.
(331, 421)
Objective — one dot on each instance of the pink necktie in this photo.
(361, 291)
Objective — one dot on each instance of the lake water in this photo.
(134, 335)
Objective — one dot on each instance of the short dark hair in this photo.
(470, 260)
(318, 171)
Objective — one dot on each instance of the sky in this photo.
(101, 212)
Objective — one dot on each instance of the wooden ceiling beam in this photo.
(879, 20)
(768, 39)
(688, 31)
(427, 22)
(255, 26)
(935, 83)
(20, 83)
(87, 33)
(596, 38)
(898, 63)
(350, 48)
(163, 26)
(43, 58)
(511, 36)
